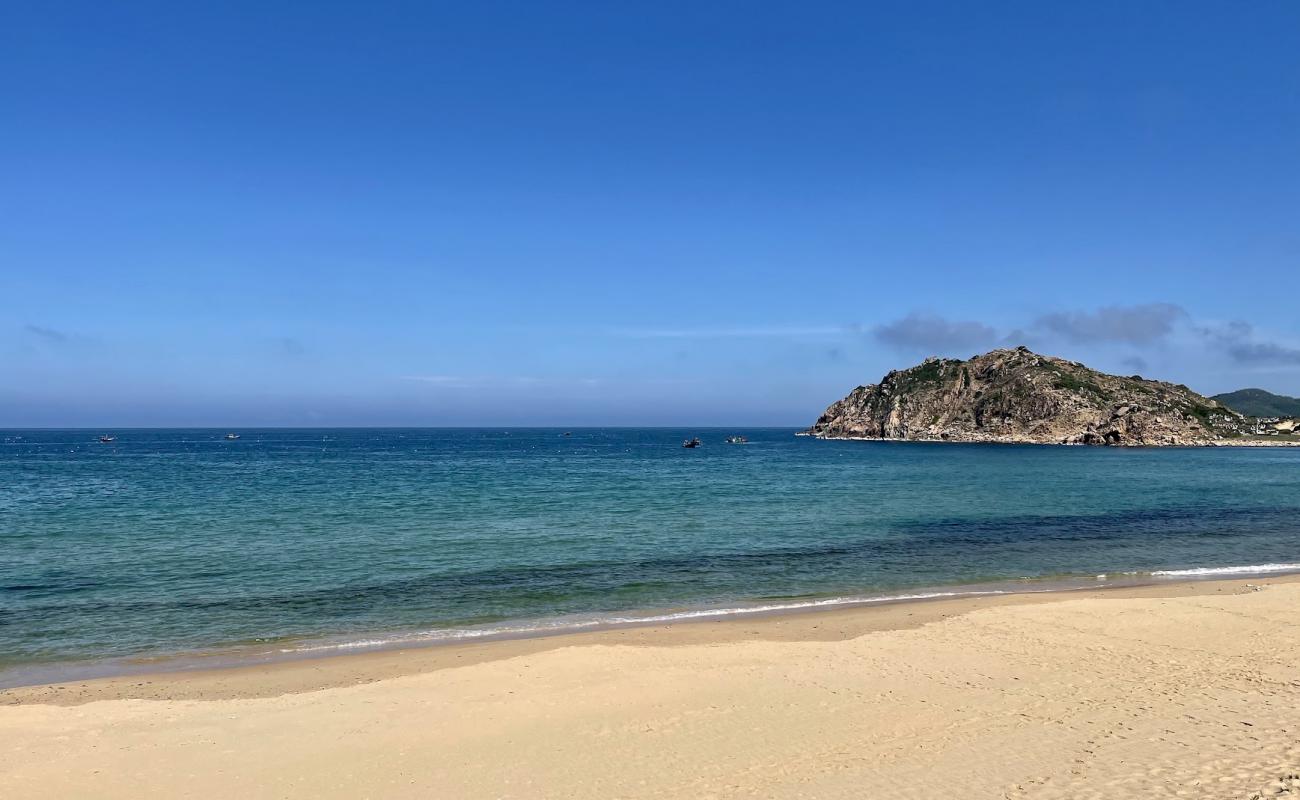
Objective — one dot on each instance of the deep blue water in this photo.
(178, 540)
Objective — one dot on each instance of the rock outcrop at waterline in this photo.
(1017, 396)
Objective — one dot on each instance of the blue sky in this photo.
(614, 213)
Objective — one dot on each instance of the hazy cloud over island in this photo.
(1137, 327)
(930, 332)
(1239, 341)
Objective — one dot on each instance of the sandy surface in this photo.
(1188, 690)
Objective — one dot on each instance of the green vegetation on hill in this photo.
(1074, 383)
(1259, 403)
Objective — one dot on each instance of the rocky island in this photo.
(1018, 396)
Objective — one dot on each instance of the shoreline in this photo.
(326, 646)
(199, 677)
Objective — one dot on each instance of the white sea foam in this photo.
(1194, 572)
(576, 624)
(1251, 569)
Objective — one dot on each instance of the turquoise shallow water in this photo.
(171, 541)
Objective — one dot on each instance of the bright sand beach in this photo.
(1174, 690)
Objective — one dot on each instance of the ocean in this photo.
(181, 545)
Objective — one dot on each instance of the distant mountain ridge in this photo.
(1020, 396)
(1259, 403)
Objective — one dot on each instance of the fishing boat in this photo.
(737, 440)
(107, 439)
(691, 442)
(232, 436)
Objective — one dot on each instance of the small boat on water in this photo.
(691, 442)
(232, 436)
(106, 439)
(737, 440)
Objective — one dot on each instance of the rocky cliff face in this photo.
(1020, 396)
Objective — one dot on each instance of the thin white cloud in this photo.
(440, 380)
(491, 381)
(772, 332)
